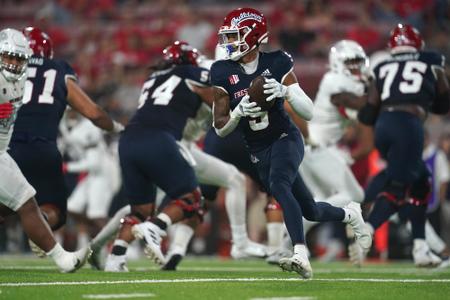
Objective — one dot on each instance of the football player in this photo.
(342, 92)
(151, 155)
(274, 142)
(92, 196)
(405, 88)
(16, 194)
(51, 86)
(209, 170)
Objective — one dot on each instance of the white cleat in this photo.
(280, 253)
(74, 261)
(116, 263)
(422, 255)
(362, 233)
(248, 249)
(296, 264)
(445, 263)
(151, 235)
(36, 250)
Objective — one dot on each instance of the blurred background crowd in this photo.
(111, 43)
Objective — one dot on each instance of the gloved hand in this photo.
(274, 89)
(6, 110)
(246, 108)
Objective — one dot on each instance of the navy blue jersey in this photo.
(230, 76)
(408, 78)
(166, 101)
(44, 98)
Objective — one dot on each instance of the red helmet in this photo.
(181, 53)
(242, 30)
(39, 41)
(405, 37)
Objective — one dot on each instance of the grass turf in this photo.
(219, 279)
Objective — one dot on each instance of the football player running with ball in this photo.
(274, 142)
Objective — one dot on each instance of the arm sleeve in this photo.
(300, 102)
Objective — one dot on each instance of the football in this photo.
(256, 93)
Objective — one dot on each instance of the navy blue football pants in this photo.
(277, 166)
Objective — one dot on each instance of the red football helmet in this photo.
(405, 37)
(39, 41)
(242, 30)
(181, 53)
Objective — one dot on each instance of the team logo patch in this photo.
(234, 79)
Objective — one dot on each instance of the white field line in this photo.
(201, 280)
(118, 296)
(363, 270)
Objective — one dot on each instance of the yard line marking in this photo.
(423, 271)
(118, 296)
(200, 280)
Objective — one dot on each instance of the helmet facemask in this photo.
(348, 58)
(233, 42)
(13, 65)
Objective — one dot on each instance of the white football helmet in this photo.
(348, 57)
(14, 54)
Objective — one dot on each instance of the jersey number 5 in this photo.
(46, 96)
(162, 94)
(412, 76)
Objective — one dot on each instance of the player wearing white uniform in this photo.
(16, 194)
(341, 92)
(94, 193)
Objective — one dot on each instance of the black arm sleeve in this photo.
(368, 114)
(441, 104)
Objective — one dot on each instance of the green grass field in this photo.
(29, 278)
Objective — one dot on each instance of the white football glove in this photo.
(247, 109)
(275, 89)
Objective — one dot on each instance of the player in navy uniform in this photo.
(50, 87)
(274, 142)
(405, 88)
(151, 155)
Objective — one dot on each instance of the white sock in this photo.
(165, 218)
(433, 240)
(180, 240)
(301, 250)
(275, 232)
(121, 243)
(236, 207)
(61, 257)
(82, 240)
(239, 234)
(111, 228)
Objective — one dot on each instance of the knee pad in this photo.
(395, 192)
(272, 205)
(192, 204)
(133, 219)
(420, 192)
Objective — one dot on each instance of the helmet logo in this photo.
(245, 16)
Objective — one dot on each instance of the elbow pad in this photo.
(441, 104)
(368, 114)
(299, 101)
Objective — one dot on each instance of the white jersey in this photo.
(85, 143)
(197, 126)
(328, 124)
(10, 92)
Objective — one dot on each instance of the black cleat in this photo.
(172, 263)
